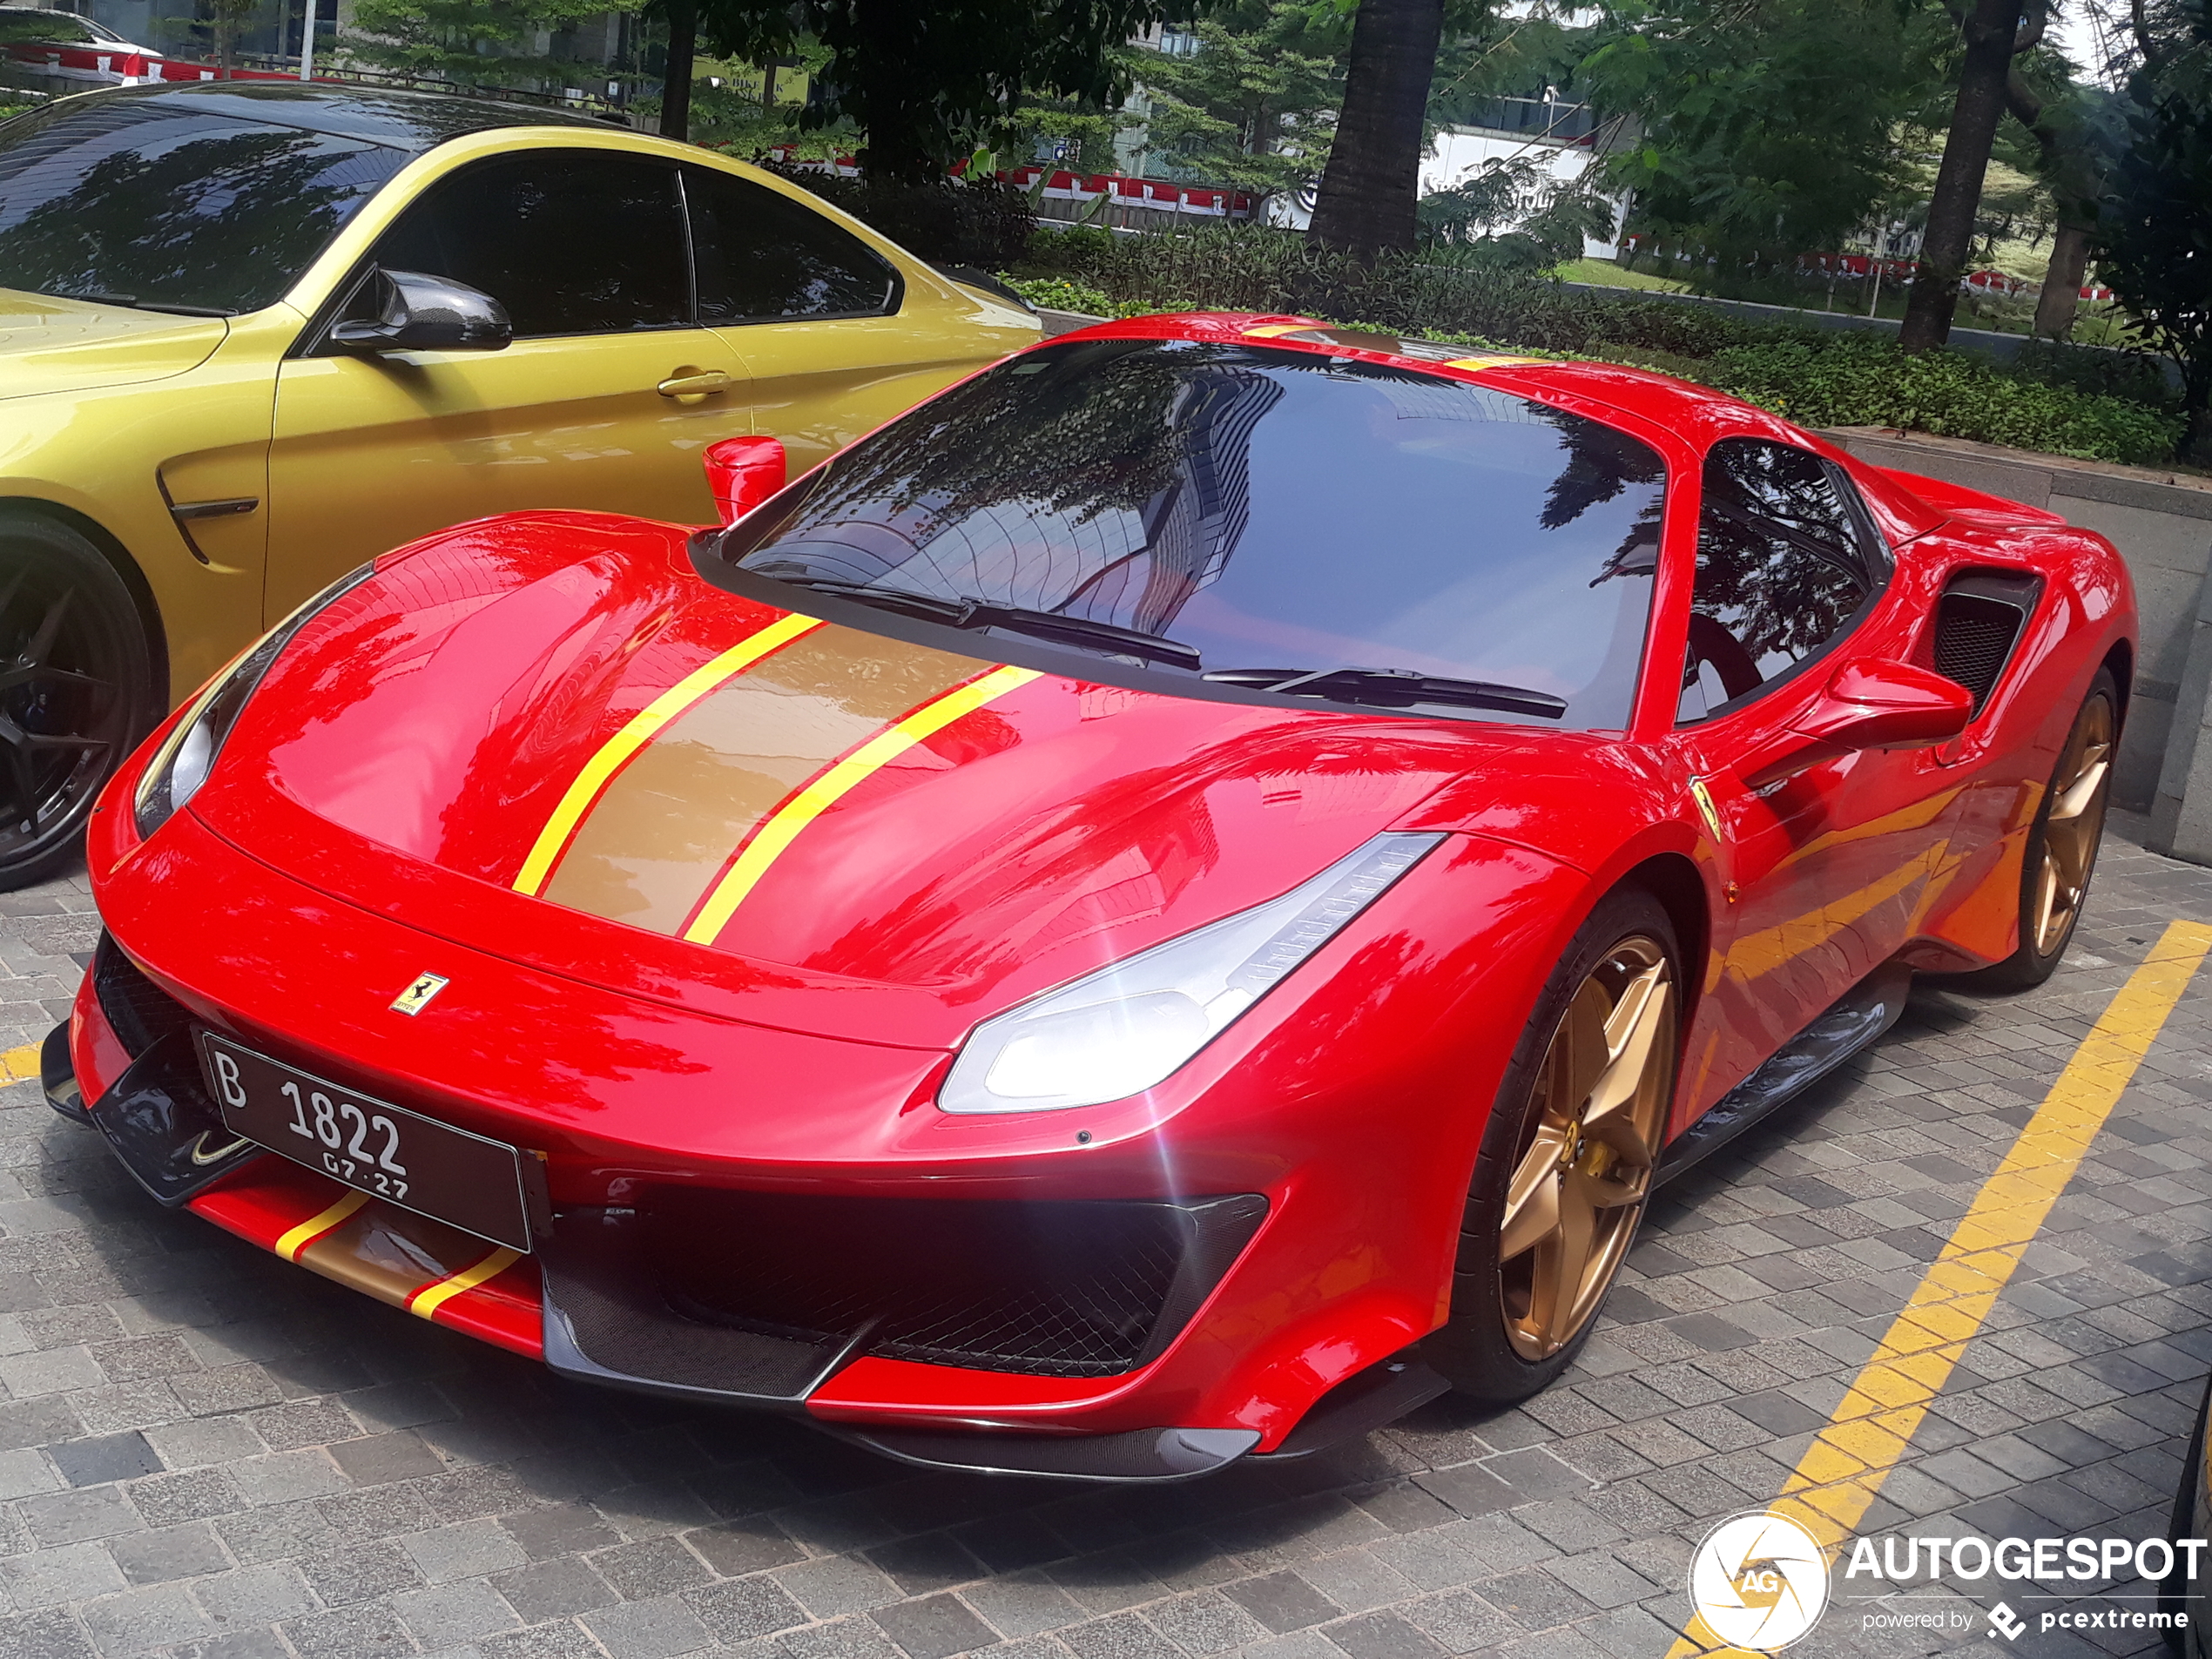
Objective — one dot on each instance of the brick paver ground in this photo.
(207, 1453)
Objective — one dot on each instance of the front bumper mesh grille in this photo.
(1049, 1288)
(139, 1012)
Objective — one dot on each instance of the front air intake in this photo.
(139, 1012)
(1979, 622)
(758, 1292)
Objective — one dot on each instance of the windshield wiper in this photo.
(950, 612)
(137, 304)
(1397, 688)
(1041, 624)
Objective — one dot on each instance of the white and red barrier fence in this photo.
(1083, 192)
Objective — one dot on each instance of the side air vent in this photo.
(1979, 621)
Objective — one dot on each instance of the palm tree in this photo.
(1373, 177)
(1994, 35)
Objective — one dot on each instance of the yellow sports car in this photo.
(252, 335)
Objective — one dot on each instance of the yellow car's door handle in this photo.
(695, 382)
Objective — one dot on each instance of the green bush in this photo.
(1847, 380)
(2098, 406)
(2132, 374)
(1064, 294)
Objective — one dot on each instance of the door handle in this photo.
(695, 382)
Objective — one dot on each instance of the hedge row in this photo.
(2097, 405)
(1848, 381)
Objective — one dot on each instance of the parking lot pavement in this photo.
(206, 1452)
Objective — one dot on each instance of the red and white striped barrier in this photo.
(94, 65)
(1085, 190)
(1159, 195)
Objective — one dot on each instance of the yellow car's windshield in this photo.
(148, 204)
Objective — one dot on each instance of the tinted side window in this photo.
(762, 256)
(1784, 561)
(571, 241)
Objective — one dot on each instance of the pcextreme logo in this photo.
(1759, 1581)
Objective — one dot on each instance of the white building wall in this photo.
(1461, 152)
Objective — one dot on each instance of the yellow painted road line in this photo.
(783, 827)
(293, 1244)
(545, 851)
(18, 1064)
(1836, 1480)
(431, 1297)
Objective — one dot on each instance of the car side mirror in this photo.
(1873, 703)
(416, 312)
(741, 473)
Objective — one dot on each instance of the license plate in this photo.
(371, 1145)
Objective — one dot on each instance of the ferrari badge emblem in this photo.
(418, 996)
(1704, 797)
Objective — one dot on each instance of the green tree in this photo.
(1365, 203)
(2154, 235)
(1549, 217)
(931, 81)
(1766, 129)
(476, 42)
(1255, 105)
(1994, 33)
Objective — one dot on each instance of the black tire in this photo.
(76, 692)
(2036, 961)
(2177, 1591)
(1474, 1349)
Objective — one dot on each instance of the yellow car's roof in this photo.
(413, 122)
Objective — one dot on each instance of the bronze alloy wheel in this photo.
(1599, 1114)
(2074, 826)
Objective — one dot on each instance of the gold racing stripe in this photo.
(783, 827)
(431, 1297)
(668, 824)
(554, 838)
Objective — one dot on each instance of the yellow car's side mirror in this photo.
(418, 312)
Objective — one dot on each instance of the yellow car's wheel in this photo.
(1568, 1156)
(75, 690)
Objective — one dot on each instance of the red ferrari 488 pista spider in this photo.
(1168, 905)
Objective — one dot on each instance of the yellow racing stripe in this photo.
(1837, 1480)
(802, 809)
(294, 1242)
(431, 1297)
(546, 852)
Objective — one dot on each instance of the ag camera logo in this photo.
(1759, 1581)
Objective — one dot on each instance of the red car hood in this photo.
(643, 780)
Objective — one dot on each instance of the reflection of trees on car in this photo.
(1778, 564)
(224, 219)
(1258, 511)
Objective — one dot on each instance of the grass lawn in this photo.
(1604, 274)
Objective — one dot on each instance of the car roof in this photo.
(1636, 391)
(403, 120)
(1696, 414)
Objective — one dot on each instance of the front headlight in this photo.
(1126, 1028)
(176, 772)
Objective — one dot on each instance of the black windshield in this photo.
(144, 200)
(1266, 509)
